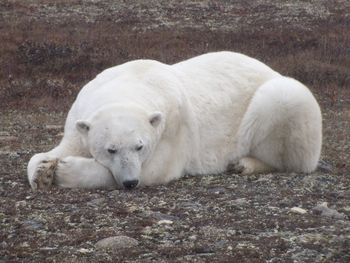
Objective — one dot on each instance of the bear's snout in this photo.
(130, 184)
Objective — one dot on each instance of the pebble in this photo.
(190, 205)
(324, 167)
(24, 244)
(192, 238)
(217, 190)
(116, 242)
(84, 250)
(33, 225)
(54, 127)
(165, 222)
(3, 245)
(323, 210)
(133, 208)
(298, 210)
(20, 204)
(161, 216)
(11, 155)
(96, 202)
(240, 201)
(114, 193)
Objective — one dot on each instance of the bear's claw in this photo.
(45, 174)
(235, 168)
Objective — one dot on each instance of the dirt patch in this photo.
(51, 48)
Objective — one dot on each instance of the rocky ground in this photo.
(217, 218)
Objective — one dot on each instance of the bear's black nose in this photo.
(130, 184)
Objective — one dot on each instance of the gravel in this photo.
(270, 217)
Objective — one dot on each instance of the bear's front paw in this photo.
(44, 174)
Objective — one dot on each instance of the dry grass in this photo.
(46, 63)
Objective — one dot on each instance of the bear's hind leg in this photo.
(250, 165)
(282, 127)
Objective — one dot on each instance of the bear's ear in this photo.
(82, 126)
(155, 118)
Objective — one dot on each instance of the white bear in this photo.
(145, 122)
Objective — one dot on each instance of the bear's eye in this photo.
(139, 148)
(112, 151)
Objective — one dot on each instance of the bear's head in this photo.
(122, 139)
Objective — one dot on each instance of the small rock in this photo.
(60, 134)
(162, 203)
(147, 230)
(161, 216)
(3, 244)
(188, 205)
(265, 178)
(22, 203)
(231, 232)
(324, 167)
(217, 190)
(323, 210)
(298, 210)
(24, 244)
(240, 201)
(13, 155)
(220, 244)
(114, 193)
(305, 255)
(84, 250)
(133, 208)
(33, 225)
(116, 242)
(54, 127)
(192, 238)
(96, 202)
(165, 222)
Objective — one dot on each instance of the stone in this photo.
(323, 210)
(54, 127)
(96, 202)
(164, 222)
(116, 242)
(161, 216)
(298, 210)
(33, 225)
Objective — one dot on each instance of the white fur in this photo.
(196, 117)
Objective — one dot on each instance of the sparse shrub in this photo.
(33, 53)
(73, 51)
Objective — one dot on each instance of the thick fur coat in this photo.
(145, 122)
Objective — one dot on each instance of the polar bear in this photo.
(144, 123)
